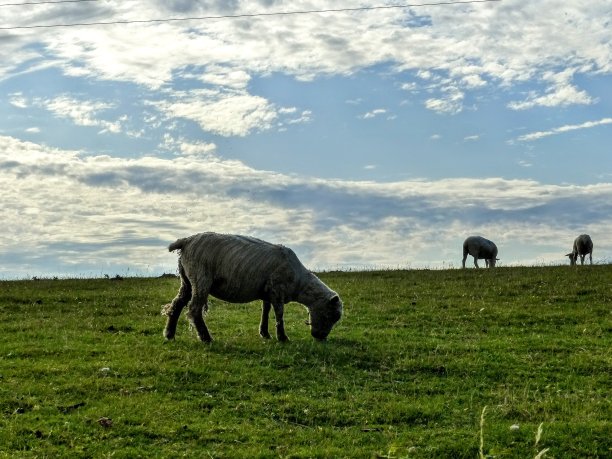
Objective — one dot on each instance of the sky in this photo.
(377, 135)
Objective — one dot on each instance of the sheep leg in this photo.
(582, 259)
(177, 305)
(591, 257)
(476, 262)
(280, 323)
(198, 304)
(263, 325)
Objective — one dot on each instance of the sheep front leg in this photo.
(263, 325)
(199, 302)
(280, 323)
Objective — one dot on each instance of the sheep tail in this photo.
(178, 244)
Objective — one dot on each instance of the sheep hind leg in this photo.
(263, 325)
(197, 307)
(174, 309)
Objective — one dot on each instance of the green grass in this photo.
(407, 373)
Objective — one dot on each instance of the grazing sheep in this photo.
(241, 269)
(583, 245)
(480, 248)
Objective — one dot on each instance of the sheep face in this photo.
(572, 257)
(323, 316)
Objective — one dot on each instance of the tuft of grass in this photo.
(85, 372)
(482, 422)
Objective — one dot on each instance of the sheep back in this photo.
(241, 269)
(583, 245)
(480, 248)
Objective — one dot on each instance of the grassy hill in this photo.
(85, 372)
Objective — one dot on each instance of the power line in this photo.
(237, 16)
(46, 2)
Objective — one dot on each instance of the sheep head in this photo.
(323, 316)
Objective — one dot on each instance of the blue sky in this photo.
(375, 138)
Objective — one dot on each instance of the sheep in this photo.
(241, 269)
(480, 248)
(583, 245)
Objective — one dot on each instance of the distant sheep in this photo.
(241, 269)
(583, 245)
(480, 248)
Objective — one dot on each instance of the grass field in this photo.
(408, 372)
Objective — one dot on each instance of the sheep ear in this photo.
(334, 299)
(568, 254)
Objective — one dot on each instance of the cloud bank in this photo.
(68, 212)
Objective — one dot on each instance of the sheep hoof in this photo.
(265, 335)
(169, 336)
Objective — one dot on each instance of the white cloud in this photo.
(188, 148)
(409, 86)
(471, 138)
(425, 74)
(82, 113)
(450, 104)
(373, 113)
(233, 113)
(558, 96)
(226, 77)
(473, 81)
(563, 129)
(18, 100)
(305, 117)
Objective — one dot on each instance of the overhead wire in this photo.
(43, 2)
(233, 16)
